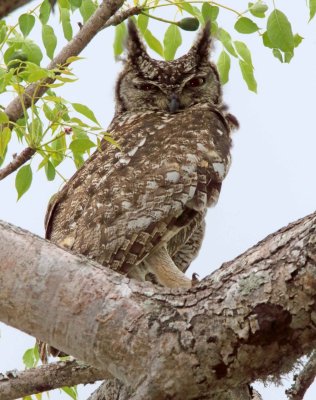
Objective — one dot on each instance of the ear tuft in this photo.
(202, 45)
(135, 45)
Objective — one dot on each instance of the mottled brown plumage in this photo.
(150, 195)
(140, 208)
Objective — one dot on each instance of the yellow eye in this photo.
(195, 82)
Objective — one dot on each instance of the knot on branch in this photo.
(273, 323)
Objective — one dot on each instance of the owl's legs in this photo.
(160, 269)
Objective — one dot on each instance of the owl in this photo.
(139, 208)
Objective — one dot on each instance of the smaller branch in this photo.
(17, 162)
(303, 380)
(7, 6)
(119, 17)
(16, 384)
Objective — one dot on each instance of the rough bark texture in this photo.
(7, 6)
(252, 318)
(16, 384)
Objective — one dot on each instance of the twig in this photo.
(19, 160)
(16, 384)
(117, 18)
(303, 380)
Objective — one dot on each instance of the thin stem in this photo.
(159, 19)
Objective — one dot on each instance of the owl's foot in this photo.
(160, 269)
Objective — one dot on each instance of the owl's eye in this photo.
(195, 82)
(145, 86)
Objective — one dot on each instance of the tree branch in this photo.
(46, 377)
(7, 6)
(252, 318)
(36, 90)
(303, 380)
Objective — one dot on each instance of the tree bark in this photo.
(7, 6)
(252, 318)
(17, 384)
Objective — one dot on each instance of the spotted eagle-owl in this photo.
(139, 208)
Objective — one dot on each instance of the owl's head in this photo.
(148, 84)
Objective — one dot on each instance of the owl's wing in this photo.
(123, 204)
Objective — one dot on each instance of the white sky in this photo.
(272, 178)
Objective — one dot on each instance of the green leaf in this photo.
(71, 391)
(3, 30)
(75, 4)
(266, 40)
(191, 10)
(29, 359)
(119, 38)
(81, 145)
(277, 54)
(49, 40)
(226, 40)
(26, 23)
(172, 41)
(87, 8)
(153, 42)
(49, 114)
(312, 9)
(84, 110)
(142, 22)
(245, 25)
(64, 4)
(243, 51)
(23, 180)
(3, 117)
(65, 21)
(45, 10)
(50, 171)
(223, 65)
(288, 56)
(189, 24)
(5, 137)
(36, 131)
(258, 9)
(280, 31)
(210, 13)
(32, 51)
(297, 40)
(247, 73)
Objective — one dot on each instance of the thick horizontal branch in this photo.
(252, 318)
(46, 377)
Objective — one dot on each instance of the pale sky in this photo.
(272, 179)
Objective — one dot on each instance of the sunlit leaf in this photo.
(87, 8)
(247, 73)
(3, 117)
(153, 42)
(142, 22)
(279, 31)
(226, 40)
(297, 40)
(71, 391)
(243, 51)
(210, 13)
(26, 23)
(50, 171)
(223, 65)
(172, 41)
(277, 54)
(119, 38)
(65, 22)
(5, 137)
(45, 10)
(84, 110)
(258, 9)
(81, 145)
(245, 25)
(23, 180)
(49, 40)
(312, 9)
(32, 51)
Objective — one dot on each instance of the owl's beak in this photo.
(174, 103)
